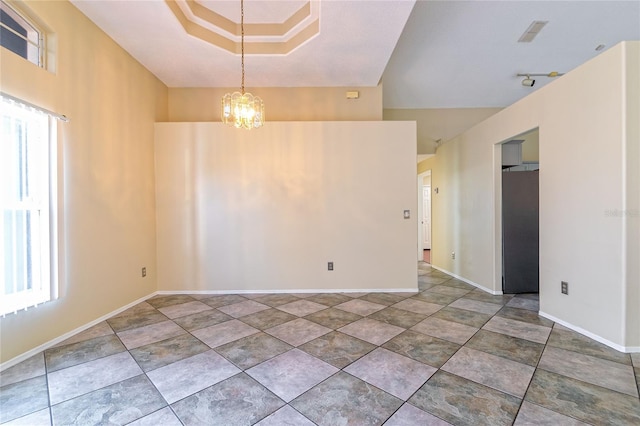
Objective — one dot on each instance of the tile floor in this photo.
(450, 354)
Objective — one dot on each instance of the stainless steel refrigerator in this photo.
(520, 232)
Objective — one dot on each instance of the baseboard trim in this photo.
(481, 287)
(22, 357)
(617, 347)
(293, 291)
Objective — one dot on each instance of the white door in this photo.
(426, 217)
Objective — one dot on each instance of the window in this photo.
(21, 36)
(27, 198)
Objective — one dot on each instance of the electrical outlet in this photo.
(144, 271)
(453, 255)
(330, 266)
(564, 287)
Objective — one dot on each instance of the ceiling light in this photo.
(528, 81)
(240, 109)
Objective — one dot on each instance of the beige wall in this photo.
(266, 210)
(108, 201)
(281, 103)
(588, 149)
(442, 124)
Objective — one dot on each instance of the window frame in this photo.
(48, 247)
(35, 38)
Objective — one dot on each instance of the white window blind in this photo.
(27, 190)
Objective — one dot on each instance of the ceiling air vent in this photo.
(531, 32)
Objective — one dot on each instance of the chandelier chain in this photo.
(242, 41)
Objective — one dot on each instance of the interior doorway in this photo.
(425, 240)
(519, 213)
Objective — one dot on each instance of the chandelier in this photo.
(242, 109)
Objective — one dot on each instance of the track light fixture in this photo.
(529, 82)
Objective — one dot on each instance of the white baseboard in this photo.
(481, 287)
(300, 291)
(619, 348)
(51, 343)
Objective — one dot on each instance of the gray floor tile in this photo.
(98, 330)
(408, 415)
(23, 398)
(27, 369)
(267, 318)
(39, 418)
(590, 369)
(302, 308)
(329, 299)
(519, 329)
(222, 300)
(162, 417)
(483, 296)
(184, 309)
(83, 378)
(119, 403)
(225, 332)
(564, 338)
(190, 375)
(164, 352)
(426, 349)
(447, 330)
(292, 373)
(393, 373)
(141, 336)
(298, 331)
(360, 307)
(371, 331)
(202, 319)
(476, 306)
(239, 400)
(524, 315)
(635, 358)
(398, 317)
(454, 282)
(345, 399)
(333, 318)
(583, 401)
(519, 350)
(439, 298)
(252, 350)
(495, 372)
(386, 299)
(462, 316)
(277, 299)
(417, 306)
(164, 300)
(448, 290)
(87, 350)
(337, 349)
(463, 402)
(138, 316)
(286, 416)
(535, 415)
(524, 303)
(241, 309)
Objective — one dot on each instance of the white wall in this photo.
(583, 146)
(267, 209)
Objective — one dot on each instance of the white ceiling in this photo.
(451, 54)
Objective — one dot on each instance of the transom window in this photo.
(21, 36)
